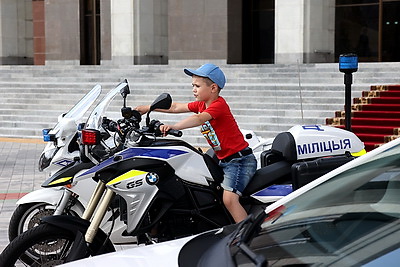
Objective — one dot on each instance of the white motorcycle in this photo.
(168, 189)
(63, 154)
(61, 150)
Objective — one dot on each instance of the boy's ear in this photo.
(215, 87)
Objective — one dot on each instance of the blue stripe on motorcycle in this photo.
(151, 152)
(275, 190)
(135, 152)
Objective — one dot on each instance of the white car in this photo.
(348, 217)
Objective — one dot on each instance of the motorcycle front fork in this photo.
(67, 200)
(96, 209)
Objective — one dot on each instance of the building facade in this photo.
(101, 32)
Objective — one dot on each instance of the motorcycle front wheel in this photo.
(28, 215)
(46, 245)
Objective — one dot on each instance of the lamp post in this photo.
(348, 63)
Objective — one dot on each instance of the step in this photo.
(359, 129)
(378, 107)
(376, 114)
(395, 123)
(381, 93)
(373, 138)
(388, 87)
(370, 146)
(385, 100)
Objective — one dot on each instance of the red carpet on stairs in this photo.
(375, 116)
(380, 107)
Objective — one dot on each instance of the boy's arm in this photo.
(175, 108)
(192, 121)
(189, 122)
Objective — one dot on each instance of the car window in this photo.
(350, 220)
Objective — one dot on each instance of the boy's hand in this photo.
(164, 129)
(143, 109)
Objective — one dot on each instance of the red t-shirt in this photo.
(222, 131)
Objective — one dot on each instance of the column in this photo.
(122, 31)
(39, 38)
(304, 31)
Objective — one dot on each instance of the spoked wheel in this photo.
(46, 245)
(27, 216)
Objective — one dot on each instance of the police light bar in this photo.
(90, 137)
(47, 137)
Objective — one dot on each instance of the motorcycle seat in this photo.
(275, 173)
(278, 172)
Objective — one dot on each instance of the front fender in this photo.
(79, 226)
(45, 195)
(71, 223)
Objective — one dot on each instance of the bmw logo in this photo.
(152, 178)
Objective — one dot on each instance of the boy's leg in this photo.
(231, 202)
(237, 174)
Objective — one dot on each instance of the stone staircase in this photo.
(265, 98)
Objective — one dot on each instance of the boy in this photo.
(221, 131)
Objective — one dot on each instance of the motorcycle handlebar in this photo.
(174, 132)
(154, 125)
(122, 125)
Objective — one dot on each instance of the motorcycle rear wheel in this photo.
(46, 245)
(28, 215)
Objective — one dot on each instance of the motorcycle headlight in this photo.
(46, 157)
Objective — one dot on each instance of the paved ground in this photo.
(19, 175)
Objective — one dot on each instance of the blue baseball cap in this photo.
(214, 73)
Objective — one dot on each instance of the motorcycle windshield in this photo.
(83, 105)
(80, 108)
(95, 118)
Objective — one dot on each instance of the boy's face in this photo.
(203, 88)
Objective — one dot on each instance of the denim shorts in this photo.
(238, 173)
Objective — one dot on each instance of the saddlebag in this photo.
(307, 171)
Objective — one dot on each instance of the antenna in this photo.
(301, 96)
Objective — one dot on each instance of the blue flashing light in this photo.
(348, 63)
(45, 131)
(46, 136)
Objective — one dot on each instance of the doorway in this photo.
(90, 32)
(258, 42)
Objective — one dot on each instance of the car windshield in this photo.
(351, 219)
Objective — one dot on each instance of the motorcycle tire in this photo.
(27, 216)
(46, 245)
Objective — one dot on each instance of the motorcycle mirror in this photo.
(163, 101)
(125, 91)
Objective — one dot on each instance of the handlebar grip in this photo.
(174, 132)
(112, 126)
